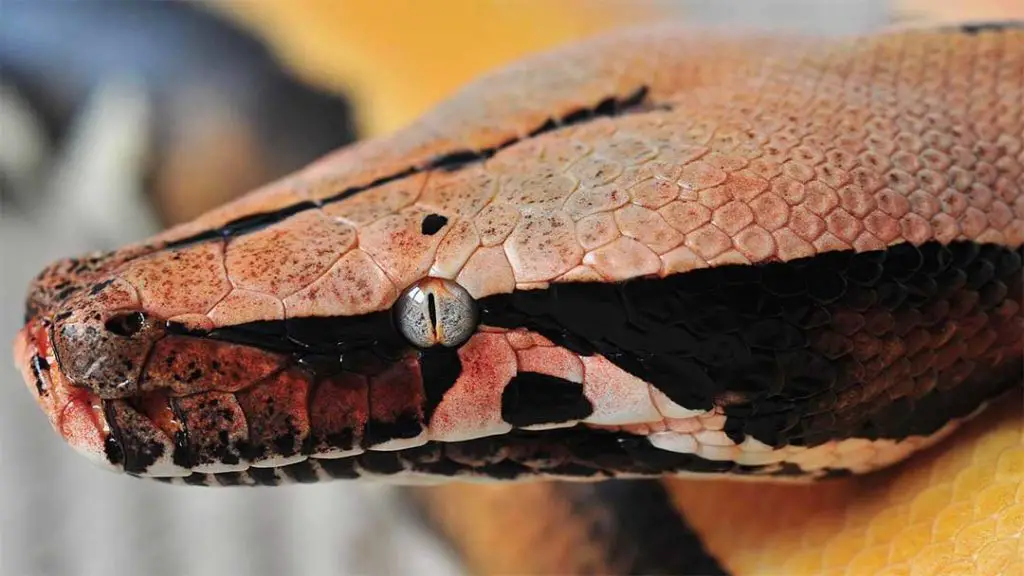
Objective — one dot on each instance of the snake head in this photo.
(624, 272)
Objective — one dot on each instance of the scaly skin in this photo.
(699, 152)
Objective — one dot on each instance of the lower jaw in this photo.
(577, 453)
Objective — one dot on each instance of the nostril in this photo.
(125, 325)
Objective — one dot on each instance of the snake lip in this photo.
(75, 413)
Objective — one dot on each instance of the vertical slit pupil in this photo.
(432, 310)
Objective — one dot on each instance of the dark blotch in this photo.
(134, 436)
(381, 462)
(40, 367)
(229, 478)
(112, 449)
(263, 476)
(197, 479)
(432, 224)
(97, 288)
(407, 425)
(126, 325)
(340, 468)
(301, 472)
(534, 398)
(440, 368)
(980, 27)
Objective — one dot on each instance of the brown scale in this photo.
(135, 441)
(396, 403)
(954, 342)
(185, 365)
(216, 427)
(339, 412)
(277, 414)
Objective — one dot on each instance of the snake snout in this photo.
(101, 339)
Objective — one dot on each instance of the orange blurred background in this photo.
(397, 58)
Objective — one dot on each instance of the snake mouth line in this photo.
(94, 427)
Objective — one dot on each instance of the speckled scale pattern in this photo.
(769, 150)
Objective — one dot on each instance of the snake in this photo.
(658, 301)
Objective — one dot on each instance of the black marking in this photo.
(301, 472)
(321, 365)
(440, 368)
(197, 479)
(228, 478)
(503, 470)
(455, 161)
(245, 224)
(386, 463)
(324, 335)
(40, 374)
(640, 528)
(112, 449)
(340, 468)
(432, 309)
(534, 398)
(406, 425)
(432, 224)
(183, 454)
(449, 162)
(130, 437)
(127, 324)
(97, 288)
(263, 476)
(979, 27)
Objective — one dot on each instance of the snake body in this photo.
(670, 253)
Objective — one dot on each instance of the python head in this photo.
(609, 277)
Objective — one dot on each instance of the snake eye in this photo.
(436, 311)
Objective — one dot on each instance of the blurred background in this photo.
(119, 118)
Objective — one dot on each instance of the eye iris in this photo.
(436, 311)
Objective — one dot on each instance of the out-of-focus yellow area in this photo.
(958, 10)
(397, 58)
(955, 509)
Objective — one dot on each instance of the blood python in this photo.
(656, 254)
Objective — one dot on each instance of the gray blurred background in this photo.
(117, 119)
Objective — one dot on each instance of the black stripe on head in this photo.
(979, 27)
(453, 161)
(639, 527)
(881, 344)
